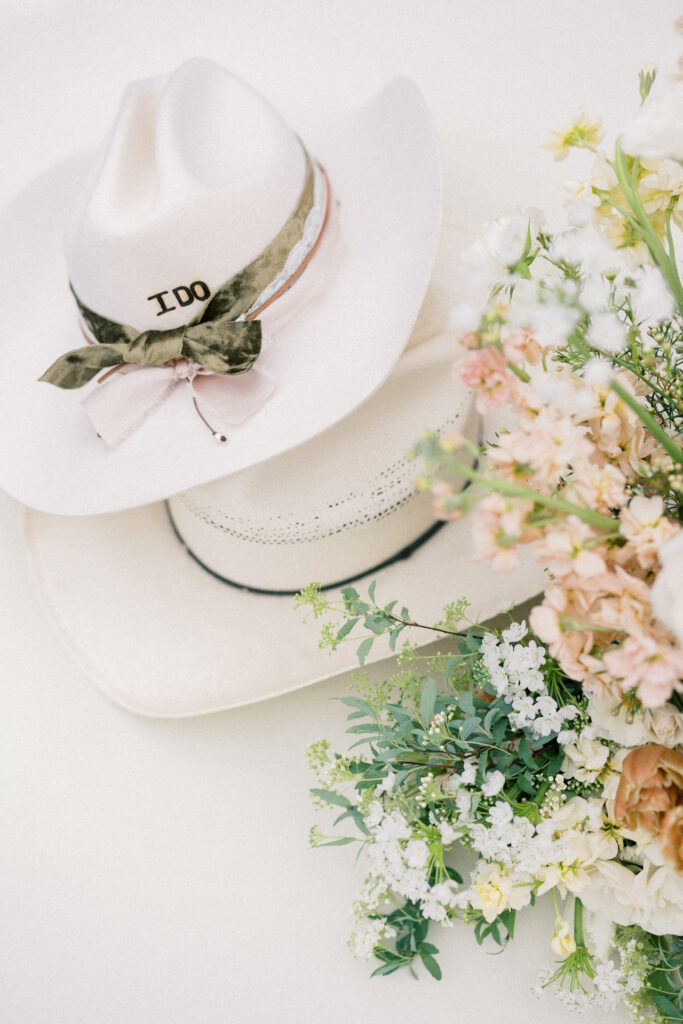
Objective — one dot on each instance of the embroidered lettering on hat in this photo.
(184, 294)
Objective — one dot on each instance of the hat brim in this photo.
(161, 637)
(384, 166)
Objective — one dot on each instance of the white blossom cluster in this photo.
(515, 672)
(604, 992)
(402, 862)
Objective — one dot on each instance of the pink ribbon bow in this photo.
(120, 405)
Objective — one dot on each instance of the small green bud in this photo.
(646, 78)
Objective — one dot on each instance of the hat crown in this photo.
(196, 178)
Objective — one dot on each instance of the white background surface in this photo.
(158, 872)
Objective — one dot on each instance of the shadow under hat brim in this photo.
(161, 637)
(383, 163)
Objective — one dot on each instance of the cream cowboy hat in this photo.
(185, 607)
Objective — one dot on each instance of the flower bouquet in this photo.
(546, 757)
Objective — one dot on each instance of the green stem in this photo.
(578, 923)
(493, 483)
(648, 420)
(666, 261)
(519, 372)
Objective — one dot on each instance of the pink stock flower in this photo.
(499, 527)
(519, 345)
(486, 370)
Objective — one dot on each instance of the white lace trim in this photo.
(300, 251)
(379, 496)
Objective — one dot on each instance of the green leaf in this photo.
(428, 700)
(525, 754)
(431, 965)
(393, 637)
(491, 717)
(339, 842)
(365, 649)
(466, 703)
(387, 968)
(666, 1006)
(332, 798)
(450, 668)
(469, 727)
(346, 629)
(508, 917)
(357, 702)
(371, 591)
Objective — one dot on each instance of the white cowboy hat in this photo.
(166, 634)
(197, 178)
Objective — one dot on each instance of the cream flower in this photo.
(562, 942)
(663, 725)
(585, 760)
(652, 898)
(613, 721)
(493, 892)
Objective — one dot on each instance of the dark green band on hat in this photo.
(217, 340)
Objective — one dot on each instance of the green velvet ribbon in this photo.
(217, 340)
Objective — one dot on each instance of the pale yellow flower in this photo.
(491, 892)
(583, 133)
(661, 182)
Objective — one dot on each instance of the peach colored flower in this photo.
(545, 622)
(565, 549)
(643, 522)
(571, 652)
(651, 785)
(654, 668)
(556, 443)
(512, 455)
(602, 487)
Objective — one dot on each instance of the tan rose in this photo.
(672, 836)
(651, 784)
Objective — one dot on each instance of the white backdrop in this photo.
(158, 872)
